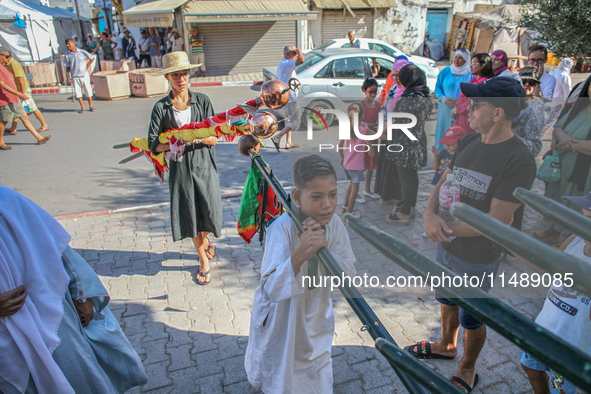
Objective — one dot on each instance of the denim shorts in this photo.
(555, 382)
(355, 176)
(461, 267)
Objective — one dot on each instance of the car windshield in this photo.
(310, 59)
(325, 45)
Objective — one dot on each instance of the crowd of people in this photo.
(148, 49)
(489, 129)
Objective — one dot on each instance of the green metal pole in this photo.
(574, 364)
(556, 212)
(538, 253)
(375, 328)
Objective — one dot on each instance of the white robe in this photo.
(291, 326)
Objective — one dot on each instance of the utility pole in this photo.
(82, 34)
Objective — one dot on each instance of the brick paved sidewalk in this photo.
(192, 338)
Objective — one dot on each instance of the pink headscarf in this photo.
(502, 55)
(398, 64)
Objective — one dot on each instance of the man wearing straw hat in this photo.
(195, 199)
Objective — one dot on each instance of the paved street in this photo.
(192, 338)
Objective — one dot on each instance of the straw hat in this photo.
(173, 62)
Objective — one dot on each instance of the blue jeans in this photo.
(461, 267)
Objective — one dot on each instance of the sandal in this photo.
(545, 234)
(293, 146)
(422, 351)
(44, 140)
(395, 220)
(92, 109)
(204, 276)
(5, 147)
(210, 251)
(276, 145)
(459, 383)
(397, 209)
(81, 111)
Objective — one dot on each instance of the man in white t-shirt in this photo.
(176, 41)
(538, 55)
(292, 57)
(566, 313)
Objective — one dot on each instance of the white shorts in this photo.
(156, 61)
(82, 86)
(292, 111)
(199, 58)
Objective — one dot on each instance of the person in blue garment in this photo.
(57, 334)
(447, 90)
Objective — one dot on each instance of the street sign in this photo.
(103, 4)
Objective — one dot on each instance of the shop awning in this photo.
(246, 11)
(355, 4)
(152, 14)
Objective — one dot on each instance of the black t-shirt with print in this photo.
(487, 171)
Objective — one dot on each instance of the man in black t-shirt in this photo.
(488, 165)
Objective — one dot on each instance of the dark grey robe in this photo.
(195, 198)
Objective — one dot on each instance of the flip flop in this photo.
(44, 139)
(459, 383)
(81, 111)
(293, 146)
(276, 145)
(395, 220)
(92, 109)
(5, 147)
(422, 351)
(204, 276)
(210, 251)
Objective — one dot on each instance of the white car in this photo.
(332, 78)
(424, 63)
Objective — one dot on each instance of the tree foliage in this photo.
(565, 25)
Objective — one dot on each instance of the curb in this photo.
(229, 83)
(65, 89)
(136, 208)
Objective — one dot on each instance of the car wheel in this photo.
(317, 106)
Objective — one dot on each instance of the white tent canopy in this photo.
(45, 34)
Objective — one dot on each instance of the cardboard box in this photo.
(143, 84)
(111, 85)
(41, 74)
(117, 65)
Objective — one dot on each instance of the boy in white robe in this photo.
(292, 324)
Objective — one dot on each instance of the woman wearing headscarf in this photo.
(571, 137)
(387, 185)
(447, 90)
(482, 68)
(57, 334)
(529, 123)
(413, 153)
(390, 82)
(195, 198)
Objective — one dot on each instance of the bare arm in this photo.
(435, 152)
(13, 91)
(563, 247)
(68, 74)
(300, 58)
(500, 210)
(437, 229)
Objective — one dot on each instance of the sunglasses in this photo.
(536, 61)
(177, 76)
(530, 83)
(474, 105)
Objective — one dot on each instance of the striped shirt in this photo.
(197, 49)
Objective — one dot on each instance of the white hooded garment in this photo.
(292, 326)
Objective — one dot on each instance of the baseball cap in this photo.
(143, 32)
(581, 201)
(502, 92)
(452, 135)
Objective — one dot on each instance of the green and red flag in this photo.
(251, 205)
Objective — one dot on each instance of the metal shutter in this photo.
(335, 26)
(244, 47)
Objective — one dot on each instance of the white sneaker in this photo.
(370, 195)
(360, 200)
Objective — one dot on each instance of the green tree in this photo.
(565, 25)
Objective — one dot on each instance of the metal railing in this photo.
(416, 377)
(523, 332)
